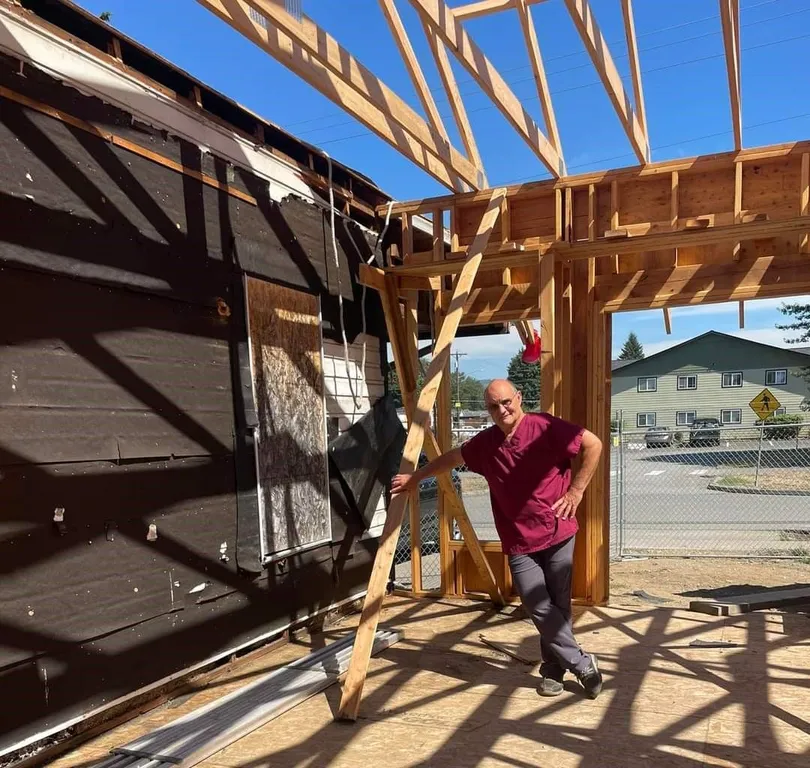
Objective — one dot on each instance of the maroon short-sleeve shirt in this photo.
(527, 473)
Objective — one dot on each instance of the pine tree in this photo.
(526, 379)
(632, 349)
(800, 327)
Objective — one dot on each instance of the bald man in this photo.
(526, 459)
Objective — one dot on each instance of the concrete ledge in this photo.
(753, 601)
(754, 491)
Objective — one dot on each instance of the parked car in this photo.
(658, 437)
(429, 512)
(705, 431)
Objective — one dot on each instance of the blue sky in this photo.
(685, 88)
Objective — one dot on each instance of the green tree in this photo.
(394, 388)
(800, 328)
(632, 349)
(526, 378)
(467, 391)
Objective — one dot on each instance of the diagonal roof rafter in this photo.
(539, 72)
(730, 16)
(318, 59)
(442, 20)
(597, 47)
(310, 52)
(448, 78)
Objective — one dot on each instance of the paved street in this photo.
(668, 506)
(661, 503)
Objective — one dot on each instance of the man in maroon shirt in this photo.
(526, 459)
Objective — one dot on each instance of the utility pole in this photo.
(457, 355)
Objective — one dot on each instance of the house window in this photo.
(732, 379)
(776, 378)
(648, 384)
(731, 416)
(780, 411)
(645, 420)
(684, 418)
(687, 382)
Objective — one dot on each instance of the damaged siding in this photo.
(128, 521)
(350, 395)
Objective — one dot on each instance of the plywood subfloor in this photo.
(441, 698)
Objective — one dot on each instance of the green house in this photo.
(711, 376)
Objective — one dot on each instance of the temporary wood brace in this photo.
(355, 679)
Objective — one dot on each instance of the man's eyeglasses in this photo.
(506, 403)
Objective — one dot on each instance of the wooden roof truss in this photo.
(316, 57)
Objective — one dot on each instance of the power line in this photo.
(586, 65)
(443, 97)
(599, 82)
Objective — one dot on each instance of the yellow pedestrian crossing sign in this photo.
(764, 404)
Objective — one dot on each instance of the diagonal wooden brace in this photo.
(407, 378)
(364, 639)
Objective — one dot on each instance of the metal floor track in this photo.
(203, 732)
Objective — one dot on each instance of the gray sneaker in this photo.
(550, 687)
(591, 679)
(551, 680)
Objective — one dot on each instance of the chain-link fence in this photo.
(711, 490)
(474, 492)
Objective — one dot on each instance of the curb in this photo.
(754, 491)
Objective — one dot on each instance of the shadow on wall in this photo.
(122, 398)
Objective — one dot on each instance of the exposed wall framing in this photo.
(571, 253)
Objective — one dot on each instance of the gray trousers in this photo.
(543, 581)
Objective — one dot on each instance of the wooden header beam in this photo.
(685, 166)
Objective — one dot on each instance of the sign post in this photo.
(763, 405)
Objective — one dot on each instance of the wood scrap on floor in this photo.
(501, 648)
(753, 601)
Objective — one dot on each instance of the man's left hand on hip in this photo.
(566, 507)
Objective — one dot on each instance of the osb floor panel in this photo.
(440, 697)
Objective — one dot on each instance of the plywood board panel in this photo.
(469, 218)
(773, 187)
(709, 192)
(288, 383)
(532, 216)
(650, 201)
